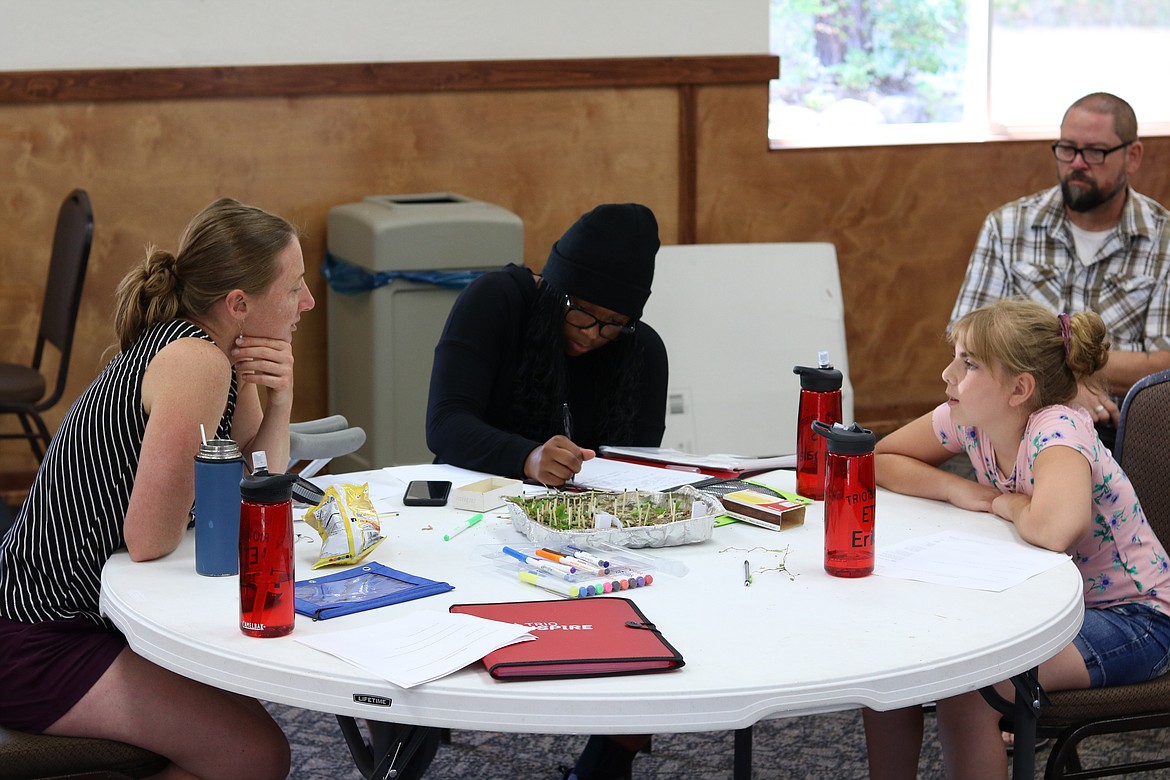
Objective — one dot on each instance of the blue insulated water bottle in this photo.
(218, 470)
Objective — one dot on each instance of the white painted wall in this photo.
(78, 34)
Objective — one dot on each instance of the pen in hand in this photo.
(567, 419)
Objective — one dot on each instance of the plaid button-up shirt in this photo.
(1026, 249)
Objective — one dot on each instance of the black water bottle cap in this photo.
(842, 440)
(265, 488)
(819, 378)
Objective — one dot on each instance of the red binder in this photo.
(576, 638)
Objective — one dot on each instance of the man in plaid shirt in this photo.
(1090, 243)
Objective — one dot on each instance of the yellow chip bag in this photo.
(348, 524)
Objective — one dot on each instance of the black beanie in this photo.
(607, 258)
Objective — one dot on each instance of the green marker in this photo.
(462, 527)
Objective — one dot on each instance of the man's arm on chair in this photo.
(1126, 368)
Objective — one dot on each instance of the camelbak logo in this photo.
(365, 698)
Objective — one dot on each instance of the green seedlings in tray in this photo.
(578, 511)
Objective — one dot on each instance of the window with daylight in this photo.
(865, 72)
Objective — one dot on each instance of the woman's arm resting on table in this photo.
(186, 385)
(907, 461)
(1060, 511)
(262, 362)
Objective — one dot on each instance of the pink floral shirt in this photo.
(1120, 558)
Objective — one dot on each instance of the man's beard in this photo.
(1090, 196)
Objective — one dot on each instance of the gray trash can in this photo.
(395, 265)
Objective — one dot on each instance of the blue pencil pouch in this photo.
(364, 587)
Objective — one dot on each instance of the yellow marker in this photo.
(550, 583)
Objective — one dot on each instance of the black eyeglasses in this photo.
(583, 320)
(1066, 153)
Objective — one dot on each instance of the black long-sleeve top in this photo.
(473, 380)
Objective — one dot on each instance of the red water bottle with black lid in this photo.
(267, 597)
(849, 499)
(820, 399)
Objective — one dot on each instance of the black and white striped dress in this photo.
(51, 560)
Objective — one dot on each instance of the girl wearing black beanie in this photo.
(533, 373)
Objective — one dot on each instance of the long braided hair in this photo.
(542, 386)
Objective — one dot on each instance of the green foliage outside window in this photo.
(867, 50)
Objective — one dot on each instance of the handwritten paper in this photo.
(965, 561)
(420, 646)
(607, 474)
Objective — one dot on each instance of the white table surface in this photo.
(781, 647)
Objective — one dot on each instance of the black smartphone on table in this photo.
(427, 492)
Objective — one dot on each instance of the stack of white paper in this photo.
(420, 646)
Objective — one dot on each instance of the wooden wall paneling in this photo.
(548, 155)
(687, 172)
(548, 140)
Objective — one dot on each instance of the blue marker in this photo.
(579, 553)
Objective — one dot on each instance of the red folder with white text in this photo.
(591, 637)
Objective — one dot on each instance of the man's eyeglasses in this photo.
(583, 320)
(1066, 153)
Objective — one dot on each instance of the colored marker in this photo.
(556, 557)
(550, 584)
(585, 566)
(579, 553)
(540, 563)
(582, 566)
(462, 527)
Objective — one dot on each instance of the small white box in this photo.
(486, 494)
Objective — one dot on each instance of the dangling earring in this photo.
(240, 338)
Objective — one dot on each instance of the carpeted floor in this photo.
(822, 746)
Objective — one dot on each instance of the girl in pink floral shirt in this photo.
(1120, 558)
(1039, 465)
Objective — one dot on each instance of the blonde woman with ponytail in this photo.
(199, 332)
(1039, 465)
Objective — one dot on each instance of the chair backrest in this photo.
(71, 244)
(1142, 436)
(736, 318)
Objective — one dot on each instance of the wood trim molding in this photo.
(688, 166)
(380, 77)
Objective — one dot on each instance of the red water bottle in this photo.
(820, 399)
(849, 499)
(267, 598)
